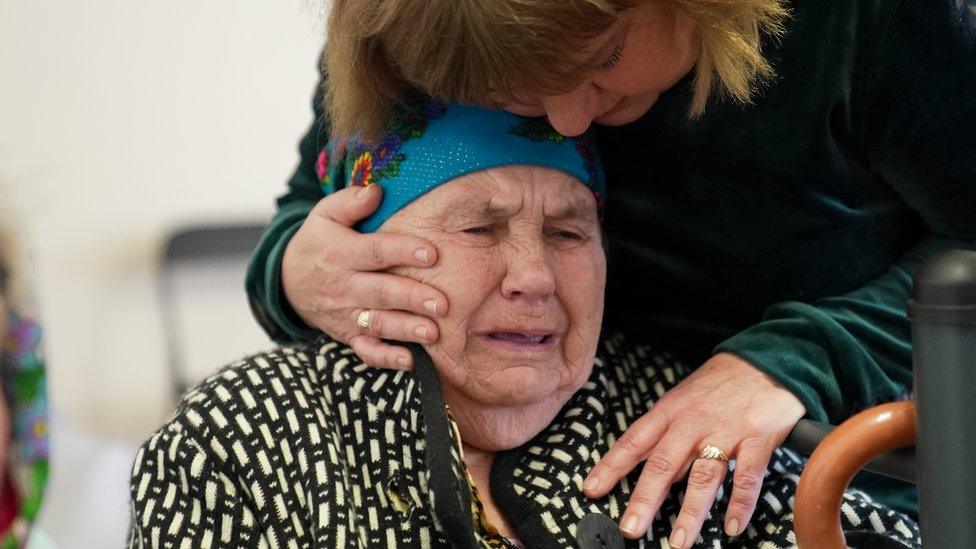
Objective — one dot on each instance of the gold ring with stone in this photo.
(363, 321)
(712, 452)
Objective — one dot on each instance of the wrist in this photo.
(281, 301)
(289, 296)
(789, 403)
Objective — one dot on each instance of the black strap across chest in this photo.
(452, 501)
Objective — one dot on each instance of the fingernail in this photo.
(677, 538)
(732, 527)
(422, 256)
(362, 193)
(431, 306)
(629, 525)
(592, 482)
(403, 362)
(421, 332)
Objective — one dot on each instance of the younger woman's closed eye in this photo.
(611, 61)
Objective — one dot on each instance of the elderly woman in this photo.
(487, 441)
(768, 239)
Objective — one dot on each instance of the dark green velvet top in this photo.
(785, 232)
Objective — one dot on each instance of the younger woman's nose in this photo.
(572, 112)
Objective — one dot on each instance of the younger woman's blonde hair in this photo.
(472, 50)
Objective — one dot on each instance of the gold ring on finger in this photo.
(363, 321)
(712, 452)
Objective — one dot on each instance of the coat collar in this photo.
(538, 486)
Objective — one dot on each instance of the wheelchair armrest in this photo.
(898, 464)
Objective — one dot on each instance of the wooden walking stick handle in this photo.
(835, 462)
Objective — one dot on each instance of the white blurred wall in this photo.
(121, 120)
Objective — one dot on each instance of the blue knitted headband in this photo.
(429, 144)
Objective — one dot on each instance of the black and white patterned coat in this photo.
(308, 447)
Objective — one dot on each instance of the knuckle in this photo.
(754, 426)
(747, 481)
(702, 476)
(641, 499)
(692, 514)
(335, 294)
(630, 442)
(741, 499)
(358, 344)
(659, 465)
(381, 296)
(334, 255)
(373, 358)
(377, 322)
(374, 252)
(664, 403)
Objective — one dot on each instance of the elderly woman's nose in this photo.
(528, 278)
(572, 113)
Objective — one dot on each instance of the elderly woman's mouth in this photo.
(520, 340)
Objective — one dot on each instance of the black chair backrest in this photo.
(196, 246)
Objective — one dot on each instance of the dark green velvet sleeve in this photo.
(263, 281)
(844, 353)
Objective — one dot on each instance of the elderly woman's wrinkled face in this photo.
(521, 261)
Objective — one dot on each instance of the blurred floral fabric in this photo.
(25, 392)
